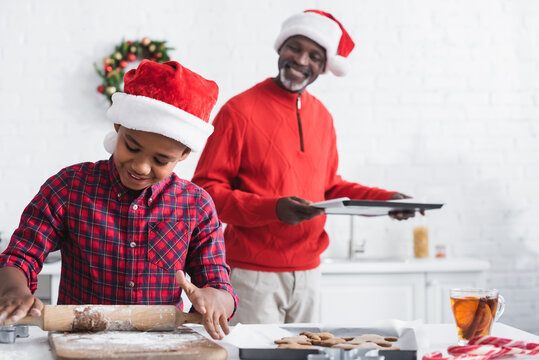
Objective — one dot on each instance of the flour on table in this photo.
(126, 341)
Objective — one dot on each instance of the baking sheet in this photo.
(327, 353)
(257, 341)
(264, 335)
(345, 206)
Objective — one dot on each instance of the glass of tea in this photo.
(475, 311)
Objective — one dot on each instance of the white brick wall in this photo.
(442, 103)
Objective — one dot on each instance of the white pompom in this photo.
(338, 65)
(110, 141)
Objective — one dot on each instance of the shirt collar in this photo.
(117, 186)
(155, 189)
(119, 189)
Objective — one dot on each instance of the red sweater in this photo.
(264, 148)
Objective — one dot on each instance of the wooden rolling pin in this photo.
(109, 317)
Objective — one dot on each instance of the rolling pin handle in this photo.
(27, 320)
(191, 318)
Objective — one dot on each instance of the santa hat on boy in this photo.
(324, 29)
(166, 99)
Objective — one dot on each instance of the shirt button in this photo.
(119, 195)
(135, 207)
(131, 284)
(132, 244)
(150, 200)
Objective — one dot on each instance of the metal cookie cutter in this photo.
(9, 333)
(341, 354)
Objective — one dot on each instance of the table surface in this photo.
(430, 337)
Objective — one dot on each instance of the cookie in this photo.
(294, 346)
(317, 336)
(369, 345)
(366, 341)
(300, 339)
(328, 342)
(371, 338)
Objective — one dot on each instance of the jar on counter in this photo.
(421, 242)
(440, 251)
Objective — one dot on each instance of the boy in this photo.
(128, 227)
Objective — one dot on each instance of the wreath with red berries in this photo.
(128, 51)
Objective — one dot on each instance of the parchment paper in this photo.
(248, 336)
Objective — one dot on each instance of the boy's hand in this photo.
(16, 300)
(215, 305)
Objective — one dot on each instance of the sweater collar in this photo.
(283, 95)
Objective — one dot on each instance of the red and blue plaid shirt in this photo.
(119, 246)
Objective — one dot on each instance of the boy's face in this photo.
(144, 158)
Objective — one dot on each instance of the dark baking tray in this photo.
(407, 341)
(276, 354)
(398, 355)
(301, 354)
(373, 207)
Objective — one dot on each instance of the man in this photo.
(272, 154)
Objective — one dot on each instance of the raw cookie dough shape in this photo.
(294, 346)
(317, 336)
(300, 340)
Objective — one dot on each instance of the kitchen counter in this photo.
(392, 288)
(430, 337)
(396, 265)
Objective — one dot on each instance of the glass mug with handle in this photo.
(475, 310)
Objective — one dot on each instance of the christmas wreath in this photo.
(128, 51)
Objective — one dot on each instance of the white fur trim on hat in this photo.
(338, 65)
(320, 29)
(110, 141)
(147, 114)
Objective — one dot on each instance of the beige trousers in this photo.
(276, 297)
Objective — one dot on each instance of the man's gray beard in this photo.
(288, 84)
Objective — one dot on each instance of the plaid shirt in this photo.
(120, 246)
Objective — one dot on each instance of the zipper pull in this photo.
(298, 102)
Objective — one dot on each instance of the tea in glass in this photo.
(475, 311)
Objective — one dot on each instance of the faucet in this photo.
(352, 249)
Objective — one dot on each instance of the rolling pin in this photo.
(109, 317)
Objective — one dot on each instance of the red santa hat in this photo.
(166, 99)
(325, 30)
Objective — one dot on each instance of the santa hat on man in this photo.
(166, 99)
(326, 31)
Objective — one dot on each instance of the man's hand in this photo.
(215, 305)
(403, 214)
(293, 210)
(16, 300)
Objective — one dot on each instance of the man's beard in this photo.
(290, 85)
